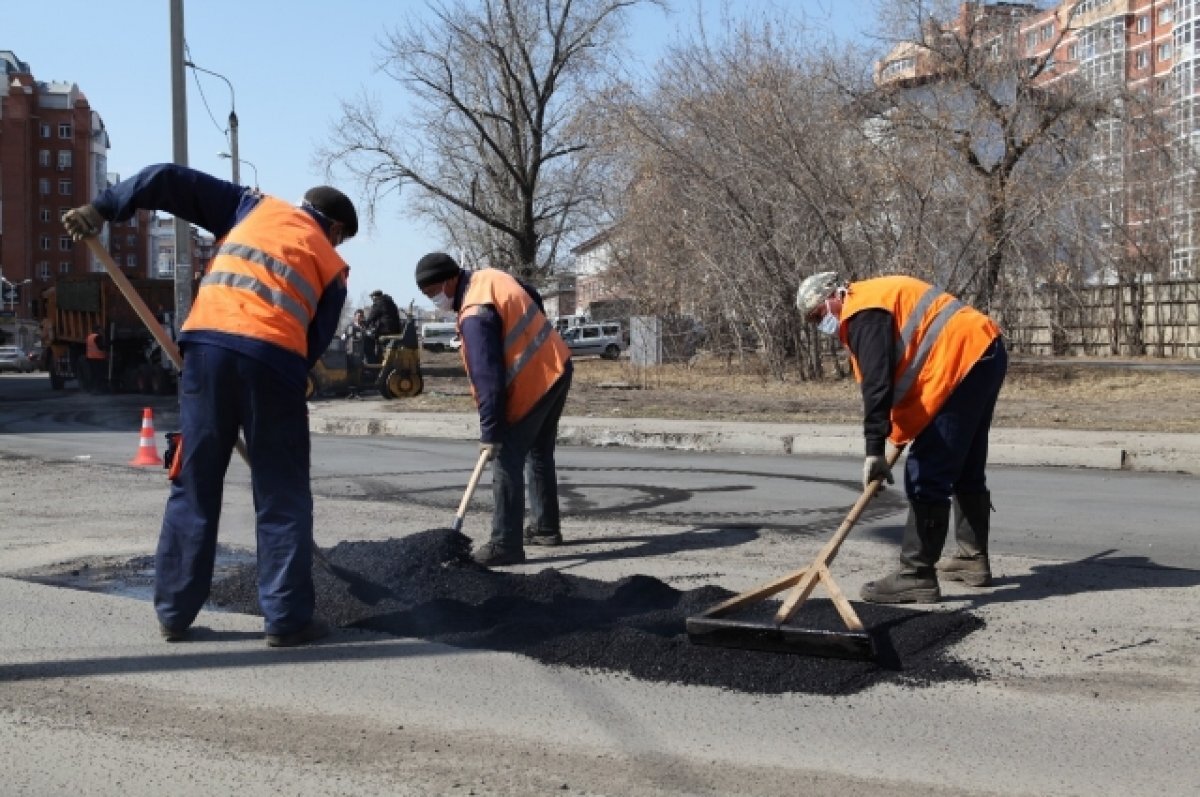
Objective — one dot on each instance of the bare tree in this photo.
(997, 117)
(492, 144)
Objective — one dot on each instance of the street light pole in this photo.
(233, 120)
(229, 156)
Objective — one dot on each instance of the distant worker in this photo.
(520, 373)
(354, 334)
(384, 316)
(96, 353)
(267, 308)
(930, 368)
(382, 319)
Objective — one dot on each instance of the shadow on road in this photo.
(637, 546)
(1100, 572)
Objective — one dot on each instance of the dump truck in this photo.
(77, 304)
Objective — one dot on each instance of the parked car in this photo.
(436, 336)
(14, 358)
(605, 340)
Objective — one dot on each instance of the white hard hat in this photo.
(814, 290)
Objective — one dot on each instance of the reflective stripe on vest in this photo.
(517, 361)
(534, 355)
(271, 295)
(904, 380)
(267, 277)
(938, 339)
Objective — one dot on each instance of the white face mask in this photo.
(829, 324)
(442, 302)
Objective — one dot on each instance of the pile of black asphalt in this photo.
(426, 586)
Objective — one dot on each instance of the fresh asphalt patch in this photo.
(426, 586)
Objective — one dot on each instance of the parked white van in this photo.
(603, 339)
(437, 335)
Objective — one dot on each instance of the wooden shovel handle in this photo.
(470, 491)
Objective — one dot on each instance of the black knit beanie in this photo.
(435, 267)
(335, 205)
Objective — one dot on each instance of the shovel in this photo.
(466, 499)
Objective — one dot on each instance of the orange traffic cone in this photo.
(147, 454)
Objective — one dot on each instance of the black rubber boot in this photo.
(916, 580)
(972, 522)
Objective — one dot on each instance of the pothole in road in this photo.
(129, 578)
(426, 586)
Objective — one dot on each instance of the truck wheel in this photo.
(612, 351)
(56, 380)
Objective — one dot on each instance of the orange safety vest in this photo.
(938, 340)
(267, 277)
(535, 355)
(93, 351)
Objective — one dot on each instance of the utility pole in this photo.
(183, 231)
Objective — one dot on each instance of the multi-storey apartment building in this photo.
(53, 156)
(1140, 50)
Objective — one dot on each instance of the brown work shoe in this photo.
(492, 555)
(903, 587)
(172, 634)
(316, 629)
(974, 571)
(544, 538)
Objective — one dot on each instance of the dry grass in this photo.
(1041, 394)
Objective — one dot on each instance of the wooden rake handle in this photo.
(470, 491)
(143, 312)
(819, 568)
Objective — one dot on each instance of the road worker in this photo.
(520, 373)
(96, 353)
(930, 368)
(264, 312)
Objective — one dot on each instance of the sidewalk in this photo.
(1067, 448)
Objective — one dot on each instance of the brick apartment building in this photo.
(1142, 48)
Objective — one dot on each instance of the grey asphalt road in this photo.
(1089, 685)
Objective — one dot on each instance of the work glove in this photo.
(492, 449)
(875, 467)
(83, 222)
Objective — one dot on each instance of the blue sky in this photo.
(289, 71)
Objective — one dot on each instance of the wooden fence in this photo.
(1159, 319)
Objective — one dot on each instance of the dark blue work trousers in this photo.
(527, 447)
(222, 391)
(949, 456)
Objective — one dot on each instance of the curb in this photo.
(1135, 451)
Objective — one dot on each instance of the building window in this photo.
(131, 239)
(64, 243)
(43, 186)
(897, 68)
(63, 212)
(45, 243)
(1047, 31)
(131, 261)
(43, 270)
(1143, 60)
(44, 214)
(64, 187)
(64, 130)
(44, 130)
(64, 158)
(64, 267)
(43, 157)
(1164, 52)
(1143, 24)
(1030, 40)
(1164, 15)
